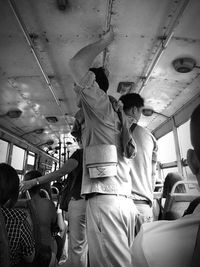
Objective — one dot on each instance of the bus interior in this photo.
(155, 53)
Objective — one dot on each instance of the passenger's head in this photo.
(9, 185)
(170, 180)
(193, 156)
(30, 176)
(132, 105)
(101, 78)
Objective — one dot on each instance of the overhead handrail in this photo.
(31, 45)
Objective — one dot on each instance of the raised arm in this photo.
(83, 59)
(67, 167)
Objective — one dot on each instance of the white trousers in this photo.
(145, 215)
(110, 230)
(78, 247)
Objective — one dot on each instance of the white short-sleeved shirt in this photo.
(141, 165)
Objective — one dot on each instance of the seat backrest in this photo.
(177, 203)
(55, 194)
(4, 247)
(44, 193)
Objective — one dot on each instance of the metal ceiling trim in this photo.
(31, 45)
(107, 27)
(162, 46)
(180, 117)
(27, 143)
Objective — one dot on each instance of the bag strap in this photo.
(133, 127)
(196, 253)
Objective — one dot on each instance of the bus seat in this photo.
(54, 194)
(177, 203)
(4, 248)
(44, 193)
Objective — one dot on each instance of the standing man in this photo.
(173, 243)
(143, 165)
(110, 212)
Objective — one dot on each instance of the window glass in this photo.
(17, 158)
(31, 159)
(166, 148)
(3, 150)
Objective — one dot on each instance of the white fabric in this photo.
(110, 230)
(111, 220)
(78, 247)
(166, 243)
(101, 126)
(141, 166)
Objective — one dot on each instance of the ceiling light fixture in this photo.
(184, 65)
(148, 111)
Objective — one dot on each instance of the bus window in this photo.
(30, 160)
(167, 154)
(3, 151)
(166, 148)
(17, 161)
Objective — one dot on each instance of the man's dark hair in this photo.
(101, 78)
(132, 100)
(9, 184)
(195, 130)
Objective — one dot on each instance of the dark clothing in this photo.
(76, 174)
(72, 188)
(19, 233)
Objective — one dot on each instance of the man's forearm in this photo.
(67, 167)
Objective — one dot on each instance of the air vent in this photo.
(52, 119)
(14, 113)
(125, 87)
(39, 131)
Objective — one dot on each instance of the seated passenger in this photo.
(47, 218)
(172, 243)
(170, 180)
(21, 243)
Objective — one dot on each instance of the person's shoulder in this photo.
(166, 228)
(160, 239)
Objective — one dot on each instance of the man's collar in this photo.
(131, 120)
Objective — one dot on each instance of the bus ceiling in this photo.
(155, 53)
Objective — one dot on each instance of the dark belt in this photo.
(142, 201)
(88, 196)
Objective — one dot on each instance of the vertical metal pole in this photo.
(59, 154)
(177, 147)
